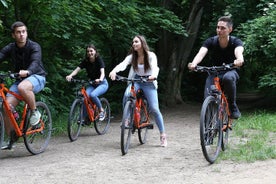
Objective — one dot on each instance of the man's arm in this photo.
(239, 56)
(198, 58)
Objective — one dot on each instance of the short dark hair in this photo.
(17, 24)
(226, 19)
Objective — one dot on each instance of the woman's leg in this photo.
(151, 95)
(96, 92)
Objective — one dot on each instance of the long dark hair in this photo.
(93, 47)
(134, 53)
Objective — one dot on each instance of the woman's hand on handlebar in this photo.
(151, 78)
(68, 78)
(112, 75)
(191, 66)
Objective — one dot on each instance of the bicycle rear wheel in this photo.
(210, 129)
(37, 142)
(143, 132)
(75, 119)
(101, 127)
(2, 130)
(126, 127)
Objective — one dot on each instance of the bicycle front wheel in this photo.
(143, 132)
(37, 142)
(102, 127)
(126, 127)
(75, 119)
(225, 122)
(210, 129)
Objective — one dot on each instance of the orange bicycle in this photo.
(76, 116)
(36, 140)
(135, 115)
(215, 121)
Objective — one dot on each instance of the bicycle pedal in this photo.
(150, 126)
(34, 127)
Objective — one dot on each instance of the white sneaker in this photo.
(35, 117)
(163, 139)
(102, 116)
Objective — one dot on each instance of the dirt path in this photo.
(98, 159)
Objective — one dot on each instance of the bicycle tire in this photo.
(102, 127)
(143, 132)
(37, 142)
(2, 130)
(126, 127)
(75, 119)
(225, 132)
(210, 129)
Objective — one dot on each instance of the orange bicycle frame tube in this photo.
(87, 102)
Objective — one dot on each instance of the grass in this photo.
(253, 138)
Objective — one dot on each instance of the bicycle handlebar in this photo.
(83, 81)
(215, 69)
(9, 75)
(140, 79)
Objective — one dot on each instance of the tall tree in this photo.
(174, 51)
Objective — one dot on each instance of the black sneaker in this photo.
(235, 112)
(86, 121)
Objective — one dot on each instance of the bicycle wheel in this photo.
(37, 142)
(143, 132)
(101, 127)
(210, 129)
(126, 127)
(225, 132)
(2, 130)
(75, 119)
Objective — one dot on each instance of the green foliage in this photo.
(260, 44)
(268, 80)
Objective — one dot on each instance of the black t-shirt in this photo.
(220, 55)
(93, 69)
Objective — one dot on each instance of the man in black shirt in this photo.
(223, 48)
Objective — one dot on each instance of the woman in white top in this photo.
(143, 63)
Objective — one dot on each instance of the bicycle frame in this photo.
(90, 106)
(139, 104)
(223, 100)
(17, 127)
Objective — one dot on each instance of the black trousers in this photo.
(228, 81)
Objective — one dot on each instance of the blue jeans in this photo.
(228, 80)
(94, 91)
(37, 81)
(150, 92)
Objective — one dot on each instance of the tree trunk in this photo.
(174, 53)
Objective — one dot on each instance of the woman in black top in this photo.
(94, 66)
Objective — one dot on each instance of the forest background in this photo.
(174, 29)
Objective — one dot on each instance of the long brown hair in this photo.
(134, 53)
(93, 47)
